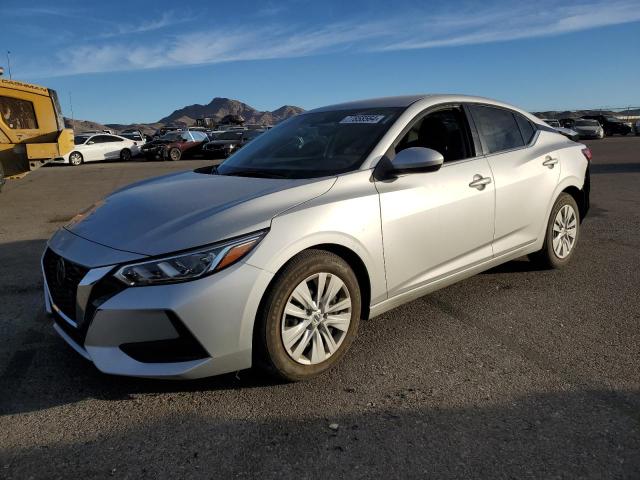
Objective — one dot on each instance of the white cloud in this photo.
(414, 30)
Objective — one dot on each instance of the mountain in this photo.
(217, 109)
(579, 113)
(83, 125)
(221, 107)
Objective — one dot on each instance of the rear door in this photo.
(94, 148)
(525, 175)
(436, 224)
(113, 146)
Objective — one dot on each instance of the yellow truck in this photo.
(31, 128)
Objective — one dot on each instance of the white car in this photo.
(271, 258)
(97, 147)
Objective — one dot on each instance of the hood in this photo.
(587, 127)
(190, 209)
(158, 142)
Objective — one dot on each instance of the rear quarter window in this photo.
(526, 128)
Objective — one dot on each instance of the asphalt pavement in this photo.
(514, 373)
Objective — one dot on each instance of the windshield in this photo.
(587, 123)
(553, 123)
(313, 144)
(229, 136)
(80, 139)
(171, 136)
(612, 119)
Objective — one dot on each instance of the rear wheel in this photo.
(561, 238)
(125, 155)
(309, 316)
(175, 154)
(75, 158)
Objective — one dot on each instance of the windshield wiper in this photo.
(254, 173)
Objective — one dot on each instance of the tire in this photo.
(75, 159)
(174, 154)
(2, 179)
(125, 155)
(558, 254)
(296, 362)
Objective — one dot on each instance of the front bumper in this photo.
(184, 330)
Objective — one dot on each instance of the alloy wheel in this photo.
(565, 228)
(316, 318)
(75, 158)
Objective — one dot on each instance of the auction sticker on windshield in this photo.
(362, 119)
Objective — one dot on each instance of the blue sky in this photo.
(137, 61)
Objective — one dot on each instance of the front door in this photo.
(438, 223)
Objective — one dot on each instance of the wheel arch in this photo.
(348, 255)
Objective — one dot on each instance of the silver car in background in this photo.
(588, 128)
(336, 215)
(567, 132)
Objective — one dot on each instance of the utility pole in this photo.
(9, 64)
(71, 107)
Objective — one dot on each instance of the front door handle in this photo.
(549, 161)
(480, 182)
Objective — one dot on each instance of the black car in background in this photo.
(225, 143)
(611, 125)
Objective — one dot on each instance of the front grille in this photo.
(63, 277)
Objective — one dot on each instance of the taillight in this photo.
(587, 154)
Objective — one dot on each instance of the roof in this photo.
(420, 101)
(401, 101)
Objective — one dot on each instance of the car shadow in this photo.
(588, 433)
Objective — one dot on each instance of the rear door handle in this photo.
(549, 161)
(480, 182)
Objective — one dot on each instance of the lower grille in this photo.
(63, 277)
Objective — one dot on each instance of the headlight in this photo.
(190, 265)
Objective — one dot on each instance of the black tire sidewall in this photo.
(125, 153)
(269, 349)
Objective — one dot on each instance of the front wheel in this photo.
(561, 238)
(309, 316)
(75, 158)
(125, 155)
(175, 154)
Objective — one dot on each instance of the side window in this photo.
(98, 139)
(527, 129)
(199, 136)
(445, 131)
(498, 128)
(186, 137)
(17, 113)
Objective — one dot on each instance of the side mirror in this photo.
(416, 160)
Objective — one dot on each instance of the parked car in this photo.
(226, 143)
(636, 127)
(588, 128)
(567, 122)
(611, 125)
(91, 148)
(135, 135)
(567, 132)
(175, 145)
(340, 213)
(162, 131)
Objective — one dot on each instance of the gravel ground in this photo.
(512, 373)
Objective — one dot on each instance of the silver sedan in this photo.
(336, 215)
